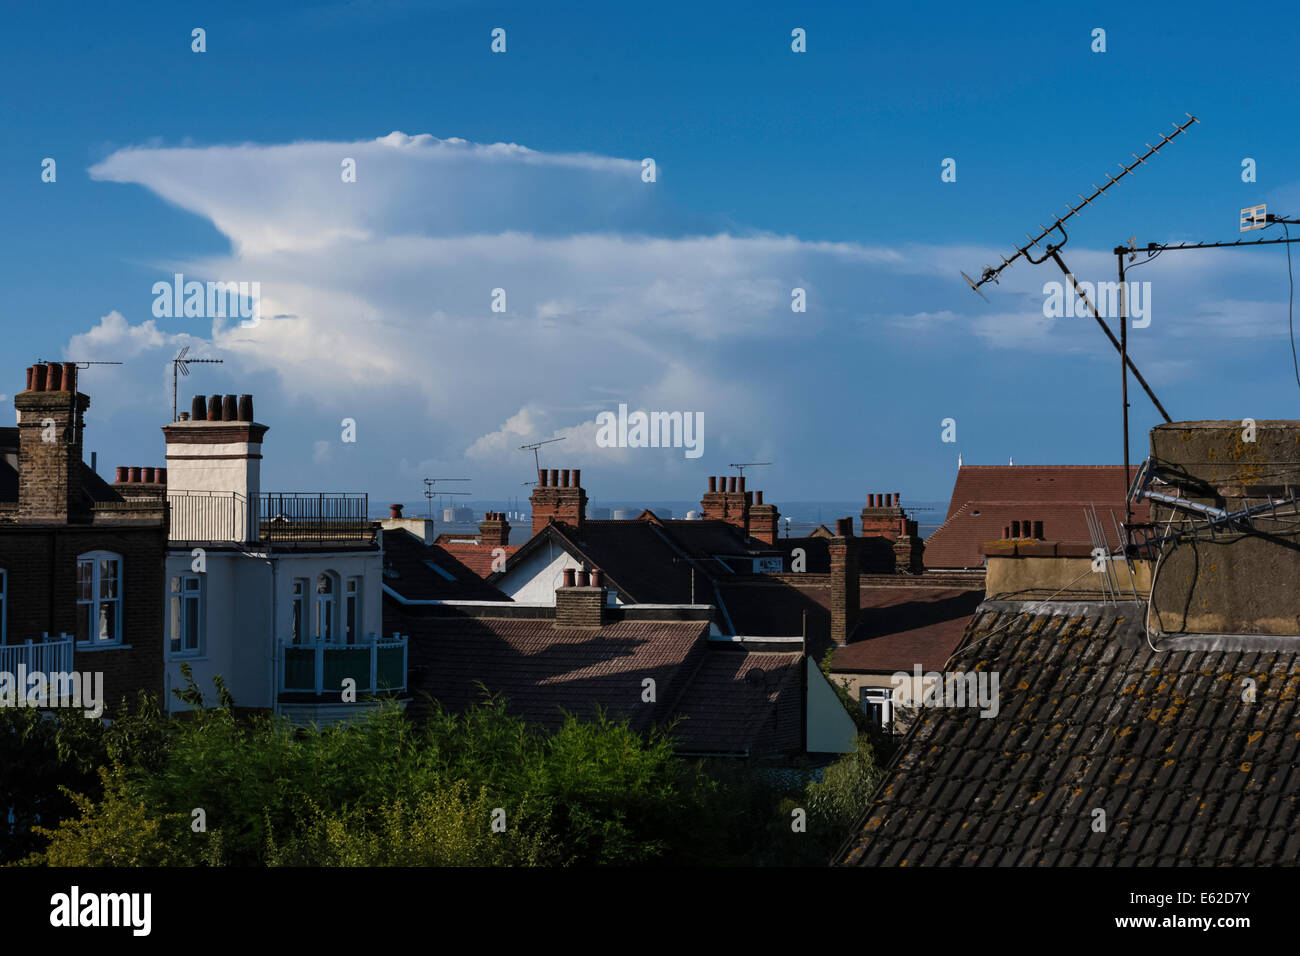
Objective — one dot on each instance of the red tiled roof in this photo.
(987, 498)
(477, 557)
(900, 627)
(544, 671)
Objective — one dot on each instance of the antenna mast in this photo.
(430, 492)
(181, 364)
(1053, 251)
(537, 462)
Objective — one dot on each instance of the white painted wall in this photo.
(535, 579)
(238, 598)
(830, 728)
(212, 473)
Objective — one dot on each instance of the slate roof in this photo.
(407, 573)
(987, 498)
(1092, 718)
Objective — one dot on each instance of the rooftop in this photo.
(1093, 718)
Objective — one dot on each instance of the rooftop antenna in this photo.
(537, 462)
(747, 464)
(71, 432)
(429, 492)
(1053, 251)
(78, 364)
(1251, 218)
(181, 364)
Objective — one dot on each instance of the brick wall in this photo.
(558, 496)
(41, 566)
(579, 607)
(846, 599)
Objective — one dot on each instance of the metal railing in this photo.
(46, 655)
(272, 517)
(320, 667)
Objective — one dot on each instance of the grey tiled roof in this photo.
(1092, 718)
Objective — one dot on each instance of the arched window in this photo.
(99, 598)
(326, 607)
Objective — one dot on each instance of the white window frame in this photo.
(95, 559)
(184, 595)
(352, 610)
(325, 607)
(884, 697)
(300, 607)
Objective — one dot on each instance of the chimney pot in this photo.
(584, 579)
(199, 408)
(577, 477)
(245, 408)
(597, 578)
(758, 497)
(185, 416)
(147, 475)
(541, 477)
(394, 511)
(898, 499)
(69, 376)
(134, 474)
(713, 483)
(564, 478)
(54, 377)
(31, 374)
(229, 408)
(161, 474)
(742, 482)
(749, 497)
(568, 577)
(39, 373)
(732, 487)
(214, 408)
(555, 477)
(121, 474)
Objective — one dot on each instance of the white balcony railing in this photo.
(46, 656)
(320, 667)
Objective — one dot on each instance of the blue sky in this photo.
(819, 170)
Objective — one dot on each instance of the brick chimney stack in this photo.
(51, 419)
(763, 519)
(884, 517)
(580, 602)
(559, 497)
(494, 530)
(846, 599)
(727, 500)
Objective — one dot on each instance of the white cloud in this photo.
(384, 287)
